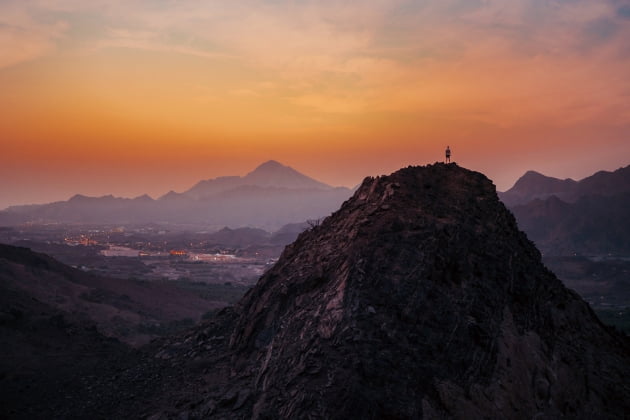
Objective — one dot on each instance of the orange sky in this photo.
(149, 96)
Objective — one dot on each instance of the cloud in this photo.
(149, 40)
(22, 38)
(502, 61)
(18, 44)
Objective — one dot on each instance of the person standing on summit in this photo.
(448, 155)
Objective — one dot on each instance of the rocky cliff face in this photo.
(419, 298)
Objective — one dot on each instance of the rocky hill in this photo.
(419, 298)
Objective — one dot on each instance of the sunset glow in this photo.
(141, 97)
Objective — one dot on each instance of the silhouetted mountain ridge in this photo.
(270, 196)
(268, 174)
(565, 217)
(533, 185)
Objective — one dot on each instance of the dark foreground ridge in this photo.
(419, 298)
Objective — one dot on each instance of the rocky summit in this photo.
(419, 298)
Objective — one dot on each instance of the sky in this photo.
(146, 96)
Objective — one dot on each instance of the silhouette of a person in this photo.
(448, 155)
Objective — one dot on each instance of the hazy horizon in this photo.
(146, 97)
(159, 193)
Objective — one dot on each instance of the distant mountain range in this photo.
(562, 216)
(534, 185)
(269, 197)
(567, 217)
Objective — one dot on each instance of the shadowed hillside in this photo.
(126, 309)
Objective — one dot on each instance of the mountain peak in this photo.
(270, 165)
(144, 197)
(420, 288)
(533, 179)
(534, 185)
(531, 174)
(78, 197)
(269, 174)
(275, 174)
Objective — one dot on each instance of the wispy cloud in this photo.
(23, 38)
(505, 60)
